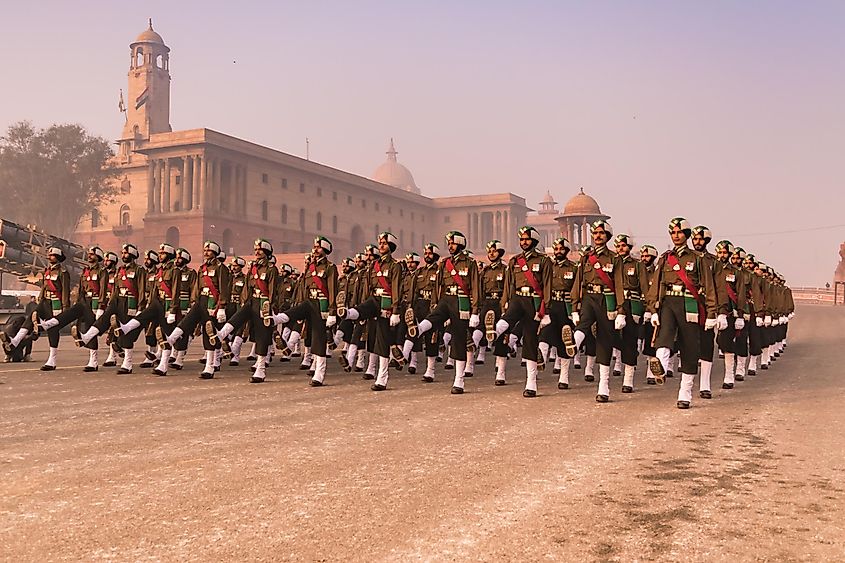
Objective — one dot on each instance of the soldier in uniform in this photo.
(383, 286)
(560, 308)
(412, 262)
(457, 298)
(423, 284)
(110, 260)
(53, 299)
(89, 306)
(648, 256)
(152, 352)
(729, 340)
(635, 284)
(187, 297)
(682, 276)
(347, 297)
(318, 308)
(701, 237)
(237, 282)
(493, 288)
(598, 298)
(256, 307)
(209, 298)
(526, 299)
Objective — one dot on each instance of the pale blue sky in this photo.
(730, 113)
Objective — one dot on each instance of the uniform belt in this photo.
(50, 295)
(453, 290)
(257, 292)
(315, 294)
(425, 294)
(675, 289)
(380, 292)
(631, 294)
(89, 294)
(205, 291)
(595, 288)
(526, 292)
(560, 295)
(493, 295)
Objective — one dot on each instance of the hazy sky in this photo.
(729, 113)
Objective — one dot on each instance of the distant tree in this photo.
(53, 177)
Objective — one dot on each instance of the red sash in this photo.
(320, 282)
(92, 285)
(206, 279)
(605, 279)
(124, 281)
(381, 281)
(529, 275)
(262, 285)
(49, 283)
(691, 287)
(455, 276)
(732, 294)
(163, 286)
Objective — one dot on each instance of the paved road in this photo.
(97, 466)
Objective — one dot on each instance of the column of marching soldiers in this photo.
(380, 313)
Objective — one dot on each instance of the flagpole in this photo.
(307, 149)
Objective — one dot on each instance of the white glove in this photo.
(784, 320)
(710, 324)
(98, 313)
(768, 320)
(545, 321)
(739, 324)
(221, 316)
(620, 322)
(394, 320)
(576, 318)
(790, 316)
(474, 321)
(646, 316)
(775, 322)
(759, 321)
(722, 322)
(655, 320)
(331, 320)
(171, 318)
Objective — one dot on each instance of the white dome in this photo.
(394, 174)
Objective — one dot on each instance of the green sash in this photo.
(610, 304)
(463, 307)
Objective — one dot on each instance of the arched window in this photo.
(124, 214)
(264, 210)
(95, 218)
(172, 236)
(302, 219)
(334, 224)
(139, 57)
(319, 221)
(227, 241)
(159, 61)
(284, 214)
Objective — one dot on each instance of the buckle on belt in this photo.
(558, 295)
(493, 295)
(595, 288)
(452, 290)
(525, 291)
(379, 291)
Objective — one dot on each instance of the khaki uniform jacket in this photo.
(606, 261)
(698, 271)
(60, 278)
(465, 268)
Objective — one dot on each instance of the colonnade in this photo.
(204, 182)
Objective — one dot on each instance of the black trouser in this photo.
(120, 308)
(428, 341)
(727, 339)
(251, 312)
(500, 346)
(628, 340)
(673, 323)
(45, 312)
(83, 315)
(380, 335)
(521, 309)
(594, 310)
(755, 342)
(551, 333)
(647, 333)
(347, 327)
(11, 328)
(155, 315)
(447, 309)
(197, 315)
(309, 311)
(707, 345)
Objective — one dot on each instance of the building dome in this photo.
(149, 36)
(581, 204)
(394, 174)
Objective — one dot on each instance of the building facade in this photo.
(184, 187)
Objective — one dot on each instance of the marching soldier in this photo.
(682, 276)
(53, 299)
(110, 261)
(210, 297)
(635, 285)
(412, 262)
(383, 286)
(598, 298)
(347, 297)
(424, 283)
(493, 288)
(237, 282)
(701, 237)
(560, 308)
(648, 256)
(318, 307)
(729, 340)
(257, 298)
(456, 298)
(526, 299)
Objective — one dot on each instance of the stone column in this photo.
(199, 182)
(159, 181)
(213, 204)
(243, 190)
(151, 180)
(187, 182)
(165, 195)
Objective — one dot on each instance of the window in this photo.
(319, 192)
(301, 218)
(377, 232)
(349, 199)
(334, 196)
(446, 219)
(264, 210)
(302, 187)
(95, 218)
(284, 214)
(377, 206)
(319, 221)
(124, 214)
(401, 212)
(179, 180)
(412, 215)
(364, 203)
(334, 224)
(389, 209)
(265, 179)
(284, 183)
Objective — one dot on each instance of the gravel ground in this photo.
(135, 468)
